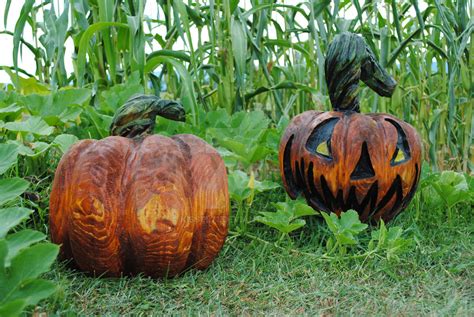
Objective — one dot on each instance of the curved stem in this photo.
(350, 59)
(137, 116)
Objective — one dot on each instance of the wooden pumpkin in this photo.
(342, 159)
(137, 203)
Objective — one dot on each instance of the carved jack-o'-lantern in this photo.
(135, 203)
(342, 159)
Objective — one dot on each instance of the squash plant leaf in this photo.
(346, 227)
(11, 188)
(20, 240)
(29, 264)
(65, 141)
(242, 185)
(34, 125)
(238, 188)
(13, 308)
(11, 109)
(21, 262)
(11, 217)
(287, 217)
(33, 291)
(389, 241)
(62, 106)
(117, 95)
(452, 187)
(8, 156)
(3, 256)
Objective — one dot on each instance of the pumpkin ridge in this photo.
(186, 151)
(209, 202)
(289, 177)
(169, 249)
(127, 253)
(88, 176)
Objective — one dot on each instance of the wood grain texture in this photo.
(378, 188)
(152, 205)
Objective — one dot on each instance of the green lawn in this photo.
(252, 277)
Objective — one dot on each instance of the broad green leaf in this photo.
(389, 241)
(28, 85)
(11, 188)
(38, 148)
(285, 219)
(238, 185)
(14, 308)
(332, 221)
(452, 187)
(20, 240)
(61, 106)
(3, 258)
(30, 149)
(30, 263)
(281, 224)
(34, 125)
(8, 156)
(65, 141)
(71, 96)
(22, 148)
(346, 227)
(117, 95)
(32, 291)
(10, 217)
(218, 119)
(265, 185)
(346, 238)
(13, 108)
(350, 220)
(99, 121)
(302, 209)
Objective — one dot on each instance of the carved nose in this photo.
(364, 167)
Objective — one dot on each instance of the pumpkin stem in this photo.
(137, 116)
(349, 59)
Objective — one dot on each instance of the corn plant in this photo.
(262, 54)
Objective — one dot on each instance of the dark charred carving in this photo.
(342, 159)
(291, 183)
(319, 142)
(364, 167)
(349, 59)
(315, 199)
(402, 151)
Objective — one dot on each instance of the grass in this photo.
(250, 277)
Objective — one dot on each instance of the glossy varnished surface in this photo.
(335, 183)
(155, 205)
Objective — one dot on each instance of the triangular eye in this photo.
(402, 151)
(319, 142)
(323, 149)
(398, 156)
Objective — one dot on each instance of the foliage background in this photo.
(261, 54)
(242, 69)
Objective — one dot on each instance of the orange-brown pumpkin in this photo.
(342, 159)
(148, 204)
